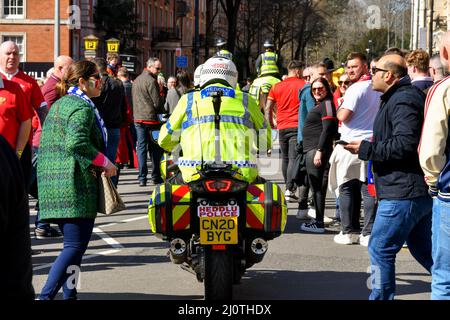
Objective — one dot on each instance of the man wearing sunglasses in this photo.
(404, 210)
(348, 174)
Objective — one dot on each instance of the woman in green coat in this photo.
(71, 155)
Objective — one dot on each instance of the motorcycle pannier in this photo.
(169, 209)
(266, 208)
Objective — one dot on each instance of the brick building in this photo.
(30, 25)
(167, 27)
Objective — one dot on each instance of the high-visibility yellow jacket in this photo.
(224, 54)
(262, 85)
(242, 126)
(269, 63)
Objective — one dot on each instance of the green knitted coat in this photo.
(69, 143)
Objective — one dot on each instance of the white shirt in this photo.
(9, 76)
(364, 102)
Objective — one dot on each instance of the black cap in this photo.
(329, 63)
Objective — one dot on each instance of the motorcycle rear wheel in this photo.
(218, 275)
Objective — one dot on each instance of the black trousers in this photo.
(25, 162)
(318, 181)
(288, 145)
(350, 205)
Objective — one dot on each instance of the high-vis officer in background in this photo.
(222, 50)
(267, 62)
(192, 125)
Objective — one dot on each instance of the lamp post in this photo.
(113, 45)
(197, 37)
(90, 46)
(56, 48)
(430, 34)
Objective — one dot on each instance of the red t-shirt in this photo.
(285, 94)
(34, 97)
(13, 111)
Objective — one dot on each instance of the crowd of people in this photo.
(354, 131)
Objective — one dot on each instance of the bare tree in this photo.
(231, 10)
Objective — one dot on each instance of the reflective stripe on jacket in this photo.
(269, 63)
(192, 125)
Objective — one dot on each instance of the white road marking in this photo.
(105, 237)
(103, 253)
(135, 219)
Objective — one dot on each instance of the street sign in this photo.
(177, 52)
(182, 62)
(90, 54)
(37, 70)
(113, 45)
(129, 62)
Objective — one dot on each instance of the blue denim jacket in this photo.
(307, 102)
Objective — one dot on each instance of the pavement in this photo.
(126, 261)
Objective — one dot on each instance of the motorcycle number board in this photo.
(218, 224)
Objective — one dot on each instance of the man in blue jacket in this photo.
(404, 210)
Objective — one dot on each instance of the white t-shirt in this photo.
(364, 102)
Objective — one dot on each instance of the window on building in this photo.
(166, 22)
(143, 18)
(149, 20)
(17, 39)
(13, 8)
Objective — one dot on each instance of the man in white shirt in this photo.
(348, 174)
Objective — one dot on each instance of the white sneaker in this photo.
(345, 238)
(364, 240)
(327, 220)
(302, 214)
(290, 196)
(312, 213)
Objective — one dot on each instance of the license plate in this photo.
(219, 230)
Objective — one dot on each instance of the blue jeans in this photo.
(145, 143)
(77, 233)
(33, 189)
(111, 149)
(440, 282)
(398, 221)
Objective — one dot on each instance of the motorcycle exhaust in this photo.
(177, 250)
(259, 246)
(258, 249)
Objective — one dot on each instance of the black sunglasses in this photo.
(344, 82)
(375, 70)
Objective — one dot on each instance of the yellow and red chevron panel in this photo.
(255, 206)
(181, 210)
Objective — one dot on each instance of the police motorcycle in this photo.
(218, 226)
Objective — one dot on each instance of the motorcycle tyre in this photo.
(218, 275)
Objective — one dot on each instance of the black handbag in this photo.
(299, 167)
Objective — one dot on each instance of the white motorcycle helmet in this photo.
(197, 72)
(219, 70)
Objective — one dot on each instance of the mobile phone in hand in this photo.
(344, 143)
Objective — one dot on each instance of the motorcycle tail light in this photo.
(219, 247)
(218, 185)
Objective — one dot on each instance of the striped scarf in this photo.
(75, 91)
